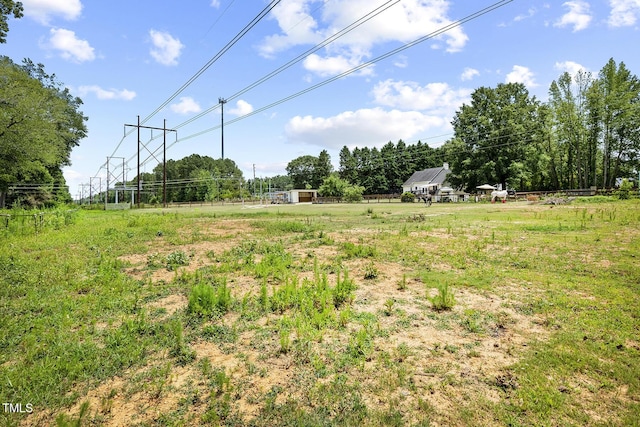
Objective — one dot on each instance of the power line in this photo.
(359, 67)
(217, 56)
(367, 17)
(376, 11)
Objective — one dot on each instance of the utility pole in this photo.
(254, 180)
(164, 164)
(222, 101)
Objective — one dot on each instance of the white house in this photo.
(427, 181)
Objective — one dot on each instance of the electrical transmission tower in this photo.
(164, 157)
(93, 189)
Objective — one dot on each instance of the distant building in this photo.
(427, 181)
(434, 181)
(294, 196)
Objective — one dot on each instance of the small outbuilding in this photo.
(294, 196)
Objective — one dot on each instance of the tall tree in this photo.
(620, 92)
(301, 170)
(568, 98)
(322, 169)
(494, 131)
(196, 178)
(7, 8)
(40, 123)
(390, 163)
(348, 166)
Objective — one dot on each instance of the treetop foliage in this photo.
(40, 123)
(7, 8)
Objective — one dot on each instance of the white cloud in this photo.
(332, 66)
(297, 25)
(520, 74)
(242, 108)
(69, 46)
(469, 73)
(365, 127)
(401, 62)
(215, 3)
(437, 98)
(401, 23)
(624, 13)
(73, 178)
(578, 16)
(166, 49)
(187, 105)
(530, 13)
(570, 67)
(106, 94)
(43, 11)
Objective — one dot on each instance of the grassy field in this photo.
(369, 314)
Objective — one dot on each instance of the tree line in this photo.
(192, 178)
(40, 123)
(587, 134)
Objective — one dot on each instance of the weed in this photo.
(343, 291)
(402, 284)
(371, 272)
(444, 299)
(176, 259)
(206, 300)
(388, 306)
(353, 250)
(285, 341)
(64, 420)
(180, 350)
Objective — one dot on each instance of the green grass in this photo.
(292, 335)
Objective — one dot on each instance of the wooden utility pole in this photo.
(222, 101)
(164, 160)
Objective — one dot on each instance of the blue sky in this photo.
(128, 58)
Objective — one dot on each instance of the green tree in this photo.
(333, 186)
(348, 165)
(569, 103)
(322, 169)
(280, 183)
(301, 171)
(40, 123)
(620, 94)
(197, 178)
(353, 193)
(491, 135)
(7, 8)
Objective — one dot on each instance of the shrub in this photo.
(407, 197)
(353, 193)
(624, 190)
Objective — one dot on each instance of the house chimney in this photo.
(445, 166)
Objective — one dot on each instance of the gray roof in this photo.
(433, 175)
